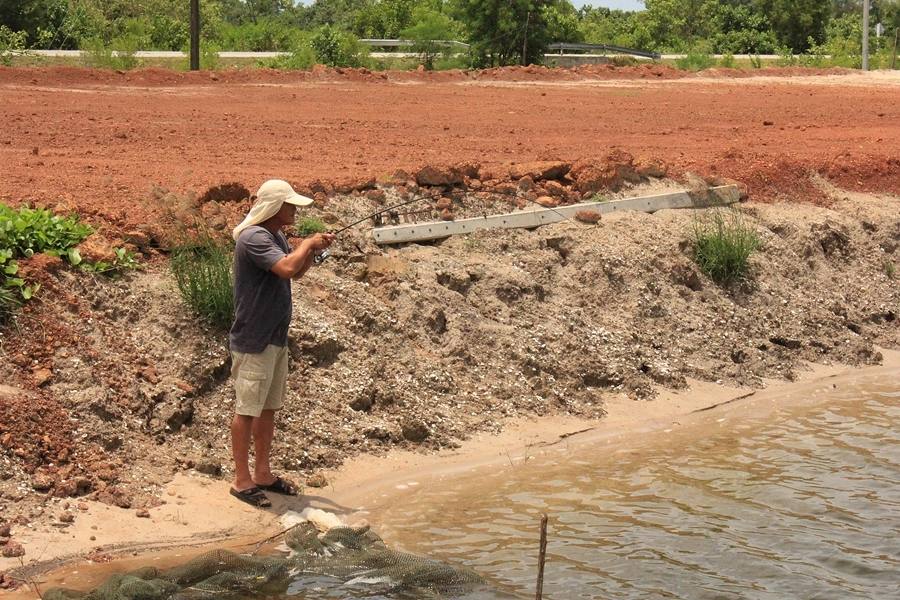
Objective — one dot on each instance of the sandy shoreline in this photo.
(199, 512)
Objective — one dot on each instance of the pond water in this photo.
(802, 504)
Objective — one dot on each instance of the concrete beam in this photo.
(433, 230)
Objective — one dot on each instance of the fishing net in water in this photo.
(354, 557)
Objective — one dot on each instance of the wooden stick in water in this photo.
(542, 556)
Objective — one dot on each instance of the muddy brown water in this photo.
(800, 500)
(803, 503)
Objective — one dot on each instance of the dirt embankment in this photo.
(111, 386)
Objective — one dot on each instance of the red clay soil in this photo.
(99, 141)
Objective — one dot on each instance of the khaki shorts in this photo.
(259, 380)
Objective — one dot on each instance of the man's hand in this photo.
(320, 241)
(295, 264)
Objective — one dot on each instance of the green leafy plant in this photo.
(11, 287)
(723, 244)
(202, 271)
(728, 61)
(27, 231)
(125, 260)
(755, 61)
(310, 225)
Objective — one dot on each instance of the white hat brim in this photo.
(299, 200)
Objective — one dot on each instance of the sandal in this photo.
(279, 486)
(252, 496)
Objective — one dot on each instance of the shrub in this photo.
(723, 245)
(336, 48)
(11, 42)
(118, 54)
(697, 59)
(263, 35)
(621, 60)
(202, 271)
(728, 61)
(786, 57)
(756, 61)
(310, 225)
(302, 57)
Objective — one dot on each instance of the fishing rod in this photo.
(321, 256)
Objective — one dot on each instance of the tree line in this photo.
(499, 32)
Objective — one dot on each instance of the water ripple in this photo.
(806, 505)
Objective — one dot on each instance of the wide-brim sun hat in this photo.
(269, 199)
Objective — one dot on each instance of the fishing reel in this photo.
(320, 256)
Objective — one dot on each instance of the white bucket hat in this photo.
(269, 198)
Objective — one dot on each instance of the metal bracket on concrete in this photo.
(397, 234)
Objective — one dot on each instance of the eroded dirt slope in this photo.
(115, 386)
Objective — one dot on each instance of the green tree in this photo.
(335, 13)
(238, 12)
(616, 27)
(739, 29)
(429, 29)
(797, 23)
(561, 21)
(504, 32)
(337, 48)
(677, 24)
(385, 18)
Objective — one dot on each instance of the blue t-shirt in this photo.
(262, 300)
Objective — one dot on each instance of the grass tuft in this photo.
(202, 270)
(723, 244)
(310, 225)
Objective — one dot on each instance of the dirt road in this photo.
(99, 141)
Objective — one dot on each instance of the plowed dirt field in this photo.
(99, 141)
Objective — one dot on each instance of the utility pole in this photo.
(195, 35)
(894, 55)
(525, 41)
(865, 36)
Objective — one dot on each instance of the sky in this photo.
(621, 4)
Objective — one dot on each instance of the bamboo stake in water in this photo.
(542, 556)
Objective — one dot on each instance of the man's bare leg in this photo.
(263, 433)
(241, 426)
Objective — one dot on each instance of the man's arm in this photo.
(295, 264)
(306, 265)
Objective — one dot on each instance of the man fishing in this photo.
(264, 264)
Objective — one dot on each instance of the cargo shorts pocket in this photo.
(250, 392)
